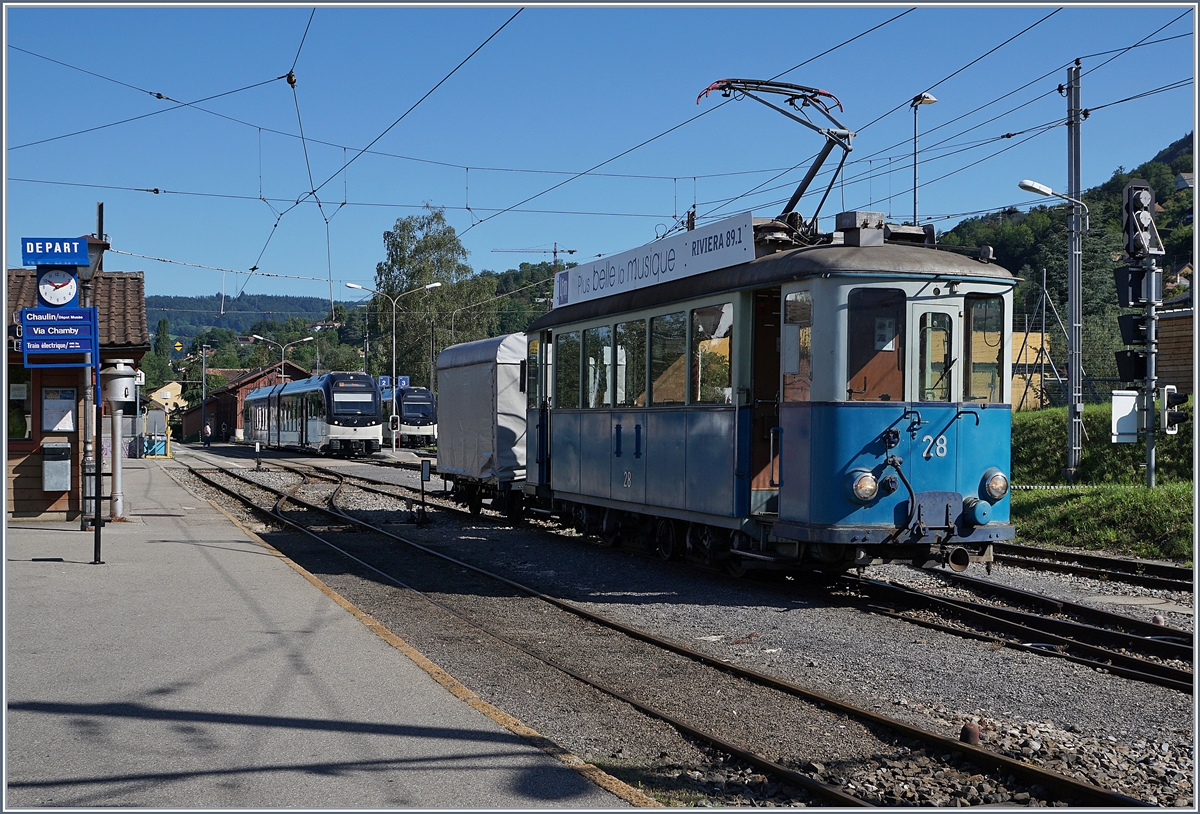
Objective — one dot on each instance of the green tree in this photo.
(421, 250)
(162, 339)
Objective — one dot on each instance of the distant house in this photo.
(1176, 349)
(224, 405)
(1183, 181)
(169, 397)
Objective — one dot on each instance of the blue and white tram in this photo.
(334, 413)
(416, 415)
(835, 405)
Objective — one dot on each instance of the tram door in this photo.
(935, 370)
(764, 395)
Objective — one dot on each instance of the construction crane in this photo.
(553, 266)
(554, 251)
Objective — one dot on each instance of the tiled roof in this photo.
(120, 296)
(293, 371)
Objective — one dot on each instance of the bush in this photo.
(1039, 450)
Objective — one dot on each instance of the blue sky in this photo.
(556, 92)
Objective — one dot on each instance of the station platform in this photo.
(196, 668)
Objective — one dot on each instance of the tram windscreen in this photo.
(875, 345)
(355, 399)
(416, 407)
(985, 349)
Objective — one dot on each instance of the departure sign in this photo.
(54, 251)
(58, 333)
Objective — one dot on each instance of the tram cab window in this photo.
(712, 354)
(631, 364)
(597, 366)
(984, 349)
(936, 361)
(668, 359)
(875, 345)
(797, 346)
(566, 369)
(348, 402)
(532, 372)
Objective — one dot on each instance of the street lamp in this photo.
(282, 348)
(1075, 324)
(923, 99)
(393, 299)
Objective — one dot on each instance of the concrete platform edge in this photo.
(590, 772)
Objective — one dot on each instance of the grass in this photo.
(1116, 513)
(1117, 519)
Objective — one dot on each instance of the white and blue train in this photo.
(415, 417)
(330, 414)
(745, 401)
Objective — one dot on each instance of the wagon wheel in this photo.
(514, 506)
(610, 528)
(474, 500)
(735, 567)
(666, 542)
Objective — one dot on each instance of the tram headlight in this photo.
(995, 484)
(862, 486)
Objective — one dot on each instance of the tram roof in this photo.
(787, 266)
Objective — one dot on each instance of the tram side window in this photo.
(668, 359)
(597, 366)
(875, 345)
(936, 360)
(566, 370)
(985, 349)
(532, 372)
(631, 364)
(797, 346)
(712, 354)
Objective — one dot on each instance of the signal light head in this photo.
(1137, 220)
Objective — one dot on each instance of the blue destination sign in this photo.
(64, 331)
(54, 251)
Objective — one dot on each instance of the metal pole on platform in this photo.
(97, 521)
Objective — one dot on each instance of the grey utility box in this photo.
(56, 467)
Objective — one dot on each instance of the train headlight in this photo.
(995, 484)
(862, 486)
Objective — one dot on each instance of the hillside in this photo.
(191, 315)
(1026, 243)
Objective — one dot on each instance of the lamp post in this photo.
(282, 348)
(91, 464)
(1074, 324)
(393, 299)
(923, 99)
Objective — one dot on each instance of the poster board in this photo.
(58, 409)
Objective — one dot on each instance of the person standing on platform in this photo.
(208, 435)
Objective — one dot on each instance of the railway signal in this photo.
(1172, 418)
(1137, 220)
(1139, 285)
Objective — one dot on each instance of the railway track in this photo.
(1060, 787)
(1099, 639)
(1135, 572)
(1108, 642)
(1104, 641)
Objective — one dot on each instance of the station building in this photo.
(46, 405)
(225, 403)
